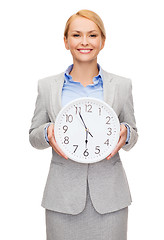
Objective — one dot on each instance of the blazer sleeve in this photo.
(39, 121)
(127, 116)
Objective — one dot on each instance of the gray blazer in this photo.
(65, 190)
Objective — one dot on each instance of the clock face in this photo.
(87, 130)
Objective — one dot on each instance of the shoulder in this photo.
(117, 79)
(122, 85)
(47, 81)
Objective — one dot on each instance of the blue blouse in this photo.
(73, 90)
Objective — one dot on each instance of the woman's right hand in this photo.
(52, 141)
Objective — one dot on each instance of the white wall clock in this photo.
(87, 130)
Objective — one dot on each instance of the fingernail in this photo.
(109, 156)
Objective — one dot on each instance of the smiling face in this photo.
(84, 40)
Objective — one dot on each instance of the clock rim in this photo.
(73, 102)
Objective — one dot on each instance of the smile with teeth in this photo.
(84, 50)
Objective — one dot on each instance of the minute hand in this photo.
(84, 124)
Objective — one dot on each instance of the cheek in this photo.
(97, 44)
(72, 44)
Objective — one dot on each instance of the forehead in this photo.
(83, 25)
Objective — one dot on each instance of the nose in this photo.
(84, 41)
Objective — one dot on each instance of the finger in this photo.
(113, 153)
(108, 157)
(123, 130)
(121, 142)
(58, 150)
(53, 143)
(119, 145)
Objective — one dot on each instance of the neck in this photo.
(84, 72)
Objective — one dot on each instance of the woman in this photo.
(84, 201)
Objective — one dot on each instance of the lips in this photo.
(84, 50)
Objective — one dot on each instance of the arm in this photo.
(39, 121)
(127, 117)
(41, 133)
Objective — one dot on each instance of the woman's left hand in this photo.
(121, 142)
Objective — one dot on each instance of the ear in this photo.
(66, 43)
(103, 43)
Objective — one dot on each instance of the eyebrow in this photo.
(88, 32)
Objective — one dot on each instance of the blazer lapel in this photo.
(109, 88)
(56, 92)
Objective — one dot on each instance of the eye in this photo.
(76, 35)
(93, 35)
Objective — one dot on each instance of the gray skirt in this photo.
(87, 225)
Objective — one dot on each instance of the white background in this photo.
(32, 48)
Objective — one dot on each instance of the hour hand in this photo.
(90, 133)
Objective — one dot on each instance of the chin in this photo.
(85, 59)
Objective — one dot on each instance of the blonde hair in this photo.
(89, 15)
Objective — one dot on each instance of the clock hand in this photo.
(86, 141)
(84, 124)
(90, 133)
(82, 120)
